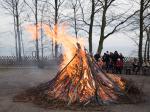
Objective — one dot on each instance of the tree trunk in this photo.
(91, 26)
(36, 30)
(41, 38)
(56, 27)
(102, 37)
(100, 47)
(53, 47)
(141, 33)
(145, 49)
(148, 46)
(16, 43)
(52, 43)
(148, 50)
(56, 49)
(75, 22)
(22, 43)
(18, 33)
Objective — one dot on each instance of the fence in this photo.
(26, 60)
(31, 60)
(7, 61)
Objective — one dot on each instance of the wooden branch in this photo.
(147, 16)
(96, 11)
(118, 16)
(29, 7)
(146, 4)
(83, 30)
(101, 2)
(109, 4)
(122, 22)
(8, 7)
(21, 8)
(60, 3)
(131, 38)
(82, 12)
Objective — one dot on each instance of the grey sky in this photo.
(117, 41)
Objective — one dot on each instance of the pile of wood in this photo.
(82, 81)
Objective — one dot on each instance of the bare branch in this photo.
(122, 22)
(29, 7)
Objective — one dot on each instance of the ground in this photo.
(16, 80)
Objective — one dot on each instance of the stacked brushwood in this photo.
(82, 82)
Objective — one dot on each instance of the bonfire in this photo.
(80, 80)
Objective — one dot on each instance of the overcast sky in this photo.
(118, 41)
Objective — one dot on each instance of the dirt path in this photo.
(13, 81)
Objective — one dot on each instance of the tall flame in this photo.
(59, 35)
(81, 79)
(68, 42)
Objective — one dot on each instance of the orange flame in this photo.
(68, 42)
(59, 35)
(78, 74)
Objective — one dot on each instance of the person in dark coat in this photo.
(111, 65)
(97, 56)
(115, 56)
(114, 59)
(107, 60)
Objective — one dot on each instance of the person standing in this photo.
(111, 65)
(107, 60)
(119, 66)
(114, 59)
(97, 56)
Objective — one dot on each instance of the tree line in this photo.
(88, 17)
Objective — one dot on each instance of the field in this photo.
(16, 80)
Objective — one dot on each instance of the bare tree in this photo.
(114, 21)
(56, 27)
(144, 4)
(35, 12)
(54, 18)
(16, 42)
(75, 7)
(147, 44)
(42, 17)
(91, 24)
(15, 8)
(140, 22)
(89, 20)
(118, 19)
(36, 23)
(141, 32)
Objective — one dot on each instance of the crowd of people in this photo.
(111, 62)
